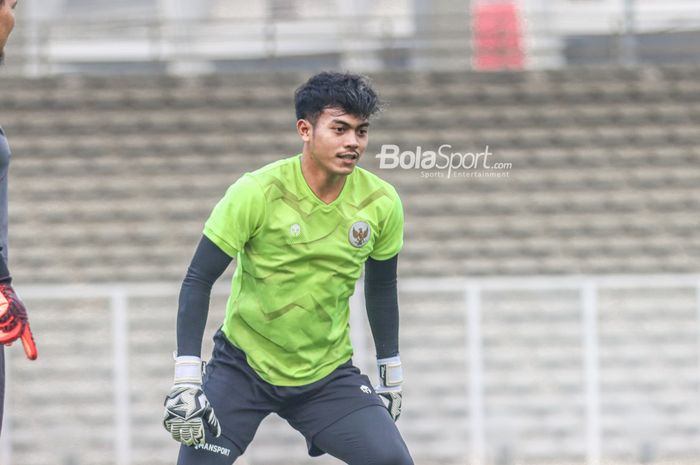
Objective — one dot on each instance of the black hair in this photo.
(352, 93)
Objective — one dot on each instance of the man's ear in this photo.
(305, 129)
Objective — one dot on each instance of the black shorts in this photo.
(241, 399)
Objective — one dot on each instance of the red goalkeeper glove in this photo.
(14, 323)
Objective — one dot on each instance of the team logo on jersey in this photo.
(295, 230)
(359, 233)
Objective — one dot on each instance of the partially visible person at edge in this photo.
(13, 316)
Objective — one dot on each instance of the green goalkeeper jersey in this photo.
(298, 259)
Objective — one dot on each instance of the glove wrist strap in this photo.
(390, 371)
(188, 370)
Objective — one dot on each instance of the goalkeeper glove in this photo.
(186, 407)
(390, 379)
(14, 323)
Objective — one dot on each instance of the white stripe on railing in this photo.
(591, 365)
(475, 370)
(120, 368)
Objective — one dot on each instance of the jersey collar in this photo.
(310, 193)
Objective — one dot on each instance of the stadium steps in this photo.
(206, 119)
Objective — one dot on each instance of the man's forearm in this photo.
(4, 271)
(209, 262)
(381, 300)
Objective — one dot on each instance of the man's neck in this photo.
(327, 186)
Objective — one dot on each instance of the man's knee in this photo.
(367, 436)
(392, 456)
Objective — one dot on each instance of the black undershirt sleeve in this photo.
(382, 302)
(209, 262)
(4, 272)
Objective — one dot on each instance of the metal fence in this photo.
(475, 307)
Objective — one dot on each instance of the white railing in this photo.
(587, 287)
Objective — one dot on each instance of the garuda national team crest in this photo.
(359, 233)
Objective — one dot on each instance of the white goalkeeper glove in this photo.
(389, 388)
(186, 407)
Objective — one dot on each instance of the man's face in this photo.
(337, 140)
(7, 23)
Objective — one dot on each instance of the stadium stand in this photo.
(123, 171)
(113, 177)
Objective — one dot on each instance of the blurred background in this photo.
(550, 304)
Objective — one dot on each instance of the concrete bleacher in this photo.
(112, 179)
(123, 160)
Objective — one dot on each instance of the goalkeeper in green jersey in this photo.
(301, 230)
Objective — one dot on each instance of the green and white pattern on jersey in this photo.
(297, 263)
